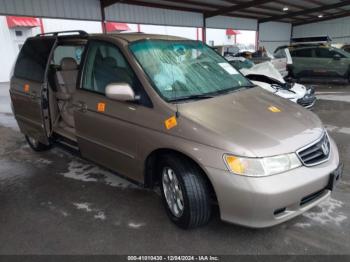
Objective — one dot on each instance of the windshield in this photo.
(186, 69)
(343, 52)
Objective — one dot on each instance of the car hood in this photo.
(300, 90)
(266, 69)
(297, 91)
(241, 123)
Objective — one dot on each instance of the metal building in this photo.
(298, 17)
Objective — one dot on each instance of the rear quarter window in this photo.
(33, 58)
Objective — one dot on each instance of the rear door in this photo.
(330, 62)
(303, 62)
(28, 88)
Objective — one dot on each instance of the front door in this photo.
(329, 62)
(104, 131)
(29, 88)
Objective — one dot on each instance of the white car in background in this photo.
(280, 61)
(269, 78)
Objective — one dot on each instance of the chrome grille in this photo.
(316, 153)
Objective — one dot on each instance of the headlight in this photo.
(258, 167)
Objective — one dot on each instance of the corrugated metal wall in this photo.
(224, 22)
(150, 15)
(73, 9)
(274, 34)
(90, 10)
(337, 29)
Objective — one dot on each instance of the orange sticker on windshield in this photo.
(101, 107)
(26, 88)
(170, 122)
(274, 109)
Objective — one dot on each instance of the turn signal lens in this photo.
(258, 167)
(235, 164)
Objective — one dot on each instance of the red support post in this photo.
(103, 24)
(41, 26)
(204, 35)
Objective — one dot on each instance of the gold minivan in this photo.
(170, 112)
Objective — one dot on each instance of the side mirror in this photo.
(120, 92)
(336, 57)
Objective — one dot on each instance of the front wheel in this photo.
(36, 145)
(184, 191)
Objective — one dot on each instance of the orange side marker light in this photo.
(101, 107)
(170, 122)
(274, 109)
(26, 88)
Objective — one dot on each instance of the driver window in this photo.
(105, 65)
(326, 53)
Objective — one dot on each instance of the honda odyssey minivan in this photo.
(170, 112)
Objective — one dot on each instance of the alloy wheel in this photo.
(172, 192)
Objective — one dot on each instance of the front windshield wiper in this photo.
(191, 97)
(232, 90)
(245, 87)
(210, 95)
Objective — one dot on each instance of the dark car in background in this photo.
(318, 61)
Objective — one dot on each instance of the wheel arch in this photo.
(150, 174)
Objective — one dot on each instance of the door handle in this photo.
(82, 107)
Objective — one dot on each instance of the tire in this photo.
(196, 203)
(36, 145)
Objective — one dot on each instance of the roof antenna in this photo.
(177, 113)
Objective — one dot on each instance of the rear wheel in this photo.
(185, 194)
(36, 145)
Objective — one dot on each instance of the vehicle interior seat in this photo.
(107, 71)
(67, 77)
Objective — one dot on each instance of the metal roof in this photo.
(243, 14)
(132, 37)
(299, 11)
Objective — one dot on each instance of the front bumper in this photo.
(267, 201)
(308, 101)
